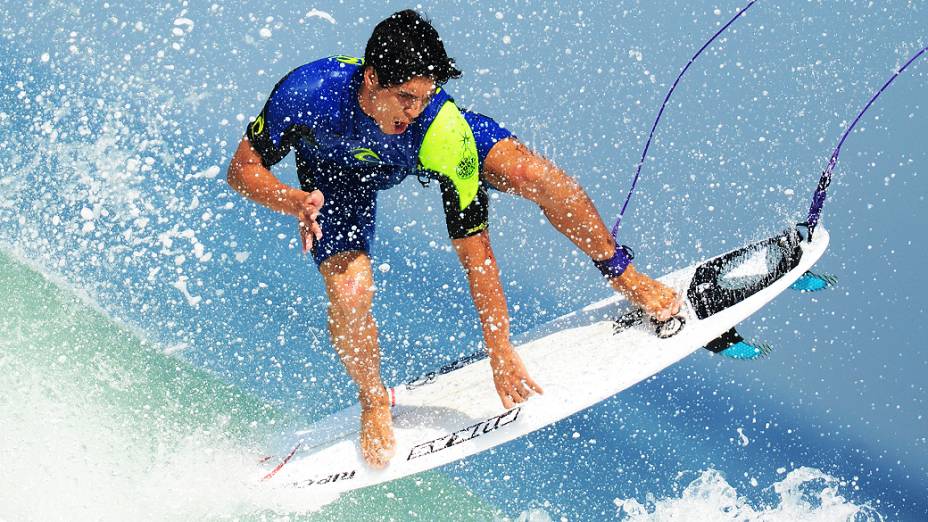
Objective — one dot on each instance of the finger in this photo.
(519, 393)
(317, 231)
(316, 199)
(507, 401)
(305, 237)
(677, 305)
(534, 386)
(662, 315)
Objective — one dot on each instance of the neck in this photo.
(366, 99)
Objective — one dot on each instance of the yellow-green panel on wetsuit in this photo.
(450, 150)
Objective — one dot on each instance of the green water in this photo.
(97, 423)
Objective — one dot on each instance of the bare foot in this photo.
(377, 441)
(655, 298)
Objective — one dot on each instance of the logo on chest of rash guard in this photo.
(367, 155)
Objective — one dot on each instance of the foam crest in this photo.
(805, 493)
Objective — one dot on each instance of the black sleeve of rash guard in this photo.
(473, 219)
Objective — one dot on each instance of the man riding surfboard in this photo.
(361, 126)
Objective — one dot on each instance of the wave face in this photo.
(156, 330)
(99, 424)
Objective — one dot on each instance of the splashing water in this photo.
(804, 494)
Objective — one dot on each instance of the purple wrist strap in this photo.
(616, 265)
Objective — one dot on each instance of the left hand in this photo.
(513, 383)
(306, 207)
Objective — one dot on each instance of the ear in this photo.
(370, 77)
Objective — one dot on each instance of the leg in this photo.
(349, 284)
(512, 167)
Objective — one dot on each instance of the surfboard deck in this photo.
(580, 359)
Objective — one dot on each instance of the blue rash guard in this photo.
(343, 153)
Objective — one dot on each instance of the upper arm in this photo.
(269, 133)
(467, 221)
(510, 166)
(245, 156)
(285, 118)
(467, 211)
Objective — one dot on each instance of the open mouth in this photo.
(399, 126)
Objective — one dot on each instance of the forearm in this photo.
(248, 176)
(572, 212)
(630, 280)
(486, 291)
(510, 377)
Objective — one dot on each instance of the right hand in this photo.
(305, 207)
(513, 383)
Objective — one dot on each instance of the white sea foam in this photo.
(531, 515)
(805, 493)
(65, 455)
(316, 13)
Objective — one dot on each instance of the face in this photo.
(395, 107)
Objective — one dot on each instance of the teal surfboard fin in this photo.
(812, 282)
(730, 344)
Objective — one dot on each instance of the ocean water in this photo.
(156, 329)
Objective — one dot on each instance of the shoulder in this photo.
(327, 74)
(316, 89)
(318, 78)
(445, 118)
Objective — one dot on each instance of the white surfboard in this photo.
(580, 359)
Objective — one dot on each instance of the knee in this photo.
(351, 297)
(349, 284)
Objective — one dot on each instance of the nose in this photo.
(414, 110)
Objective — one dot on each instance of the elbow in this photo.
(235, 174)
(236, 179)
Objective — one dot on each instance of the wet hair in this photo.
(405, 45)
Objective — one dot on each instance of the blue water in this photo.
(118, 119)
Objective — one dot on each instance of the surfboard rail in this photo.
(580, 358)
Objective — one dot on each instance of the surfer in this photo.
(361, 126)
